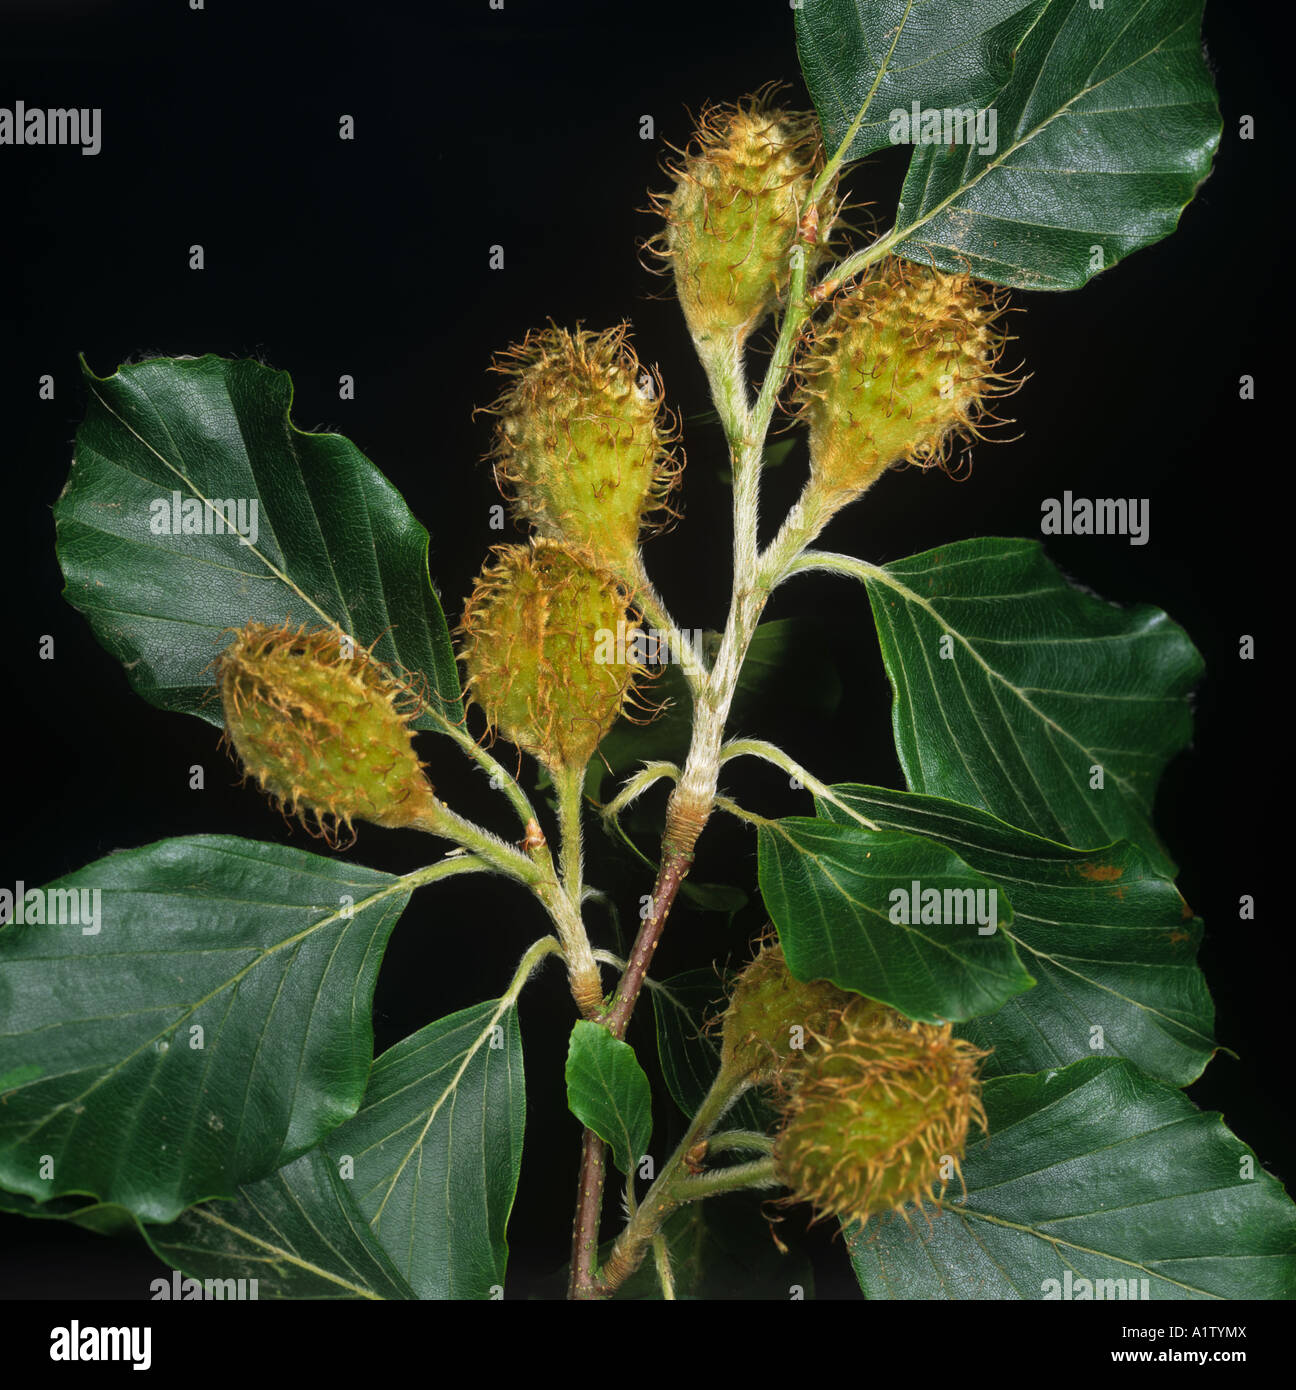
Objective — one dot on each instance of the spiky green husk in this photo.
(877, 1116)
(772, 1016)
(903, 366)
(732, 217)
(539, 640)
(324, 729)
(583, 447)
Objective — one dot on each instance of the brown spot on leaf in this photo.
(1101, 873)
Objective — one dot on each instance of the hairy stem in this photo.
(661, 1257)
(634, 787)
(755, 575)
(771, 753)
(536, 952)
(568, 783)
(488, 848)
(582, 969)
(448, 867)
(721, 356)
(833, 563)
(499, 775)
(740, 1141)
(758, 1173)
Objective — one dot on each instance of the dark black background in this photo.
(370, 257)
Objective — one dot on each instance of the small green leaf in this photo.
(1089, 1174)
(1018, 693)
(437, 1148)
(883, 55)
(1109, 940)
(335, 542)
(297, 1233)
(690, 1053)
(842, 898)
(215, 1025)
(608, 1092)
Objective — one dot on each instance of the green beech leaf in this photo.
(883, 55)
(1109, 940)
(690, 1053)
(830, 890)
(1042, 683)
(335, 543)
(608, 1092)
(437, 1147)
(297, 1233)
(216, 1025)
(1103, 133)
(1092, 1173)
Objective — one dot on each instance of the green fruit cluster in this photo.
(874, 1108)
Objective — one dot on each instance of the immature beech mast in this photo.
(986, 977)
(901, 363)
